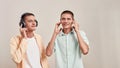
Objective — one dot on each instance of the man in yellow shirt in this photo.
(27, 49)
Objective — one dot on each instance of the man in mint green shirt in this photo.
(68, 43)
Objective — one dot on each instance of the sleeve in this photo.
(44, 61)
(83, 34)
(17, 50)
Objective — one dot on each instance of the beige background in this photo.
(100, 19)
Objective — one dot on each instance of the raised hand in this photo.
(57, 29)
(75, 26)
(23, 32)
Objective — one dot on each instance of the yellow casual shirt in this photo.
(18, 46)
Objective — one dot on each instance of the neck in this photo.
(30, 34)
(67, 30)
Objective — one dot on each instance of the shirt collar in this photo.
(63, 34)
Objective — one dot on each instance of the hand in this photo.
(57, 29)
(23, 32)
(75, 26)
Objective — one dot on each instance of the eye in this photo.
(31, 21)
(63, 19)
(68, 18)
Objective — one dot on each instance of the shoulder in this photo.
(15, 37)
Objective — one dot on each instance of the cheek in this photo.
(29, 25)
(71, 23)
(61, 21)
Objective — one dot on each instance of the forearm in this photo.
(50, 46)
(83, 46)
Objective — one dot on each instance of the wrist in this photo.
(55, 33)
(77, 31)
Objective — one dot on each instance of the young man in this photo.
(27, 49)
(68, 43)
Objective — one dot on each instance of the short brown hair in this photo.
(23, 17)
(68, 12)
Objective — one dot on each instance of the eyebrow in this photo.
(65, 18)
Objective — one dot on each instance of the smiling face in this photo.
(66, 20)
(30, 22)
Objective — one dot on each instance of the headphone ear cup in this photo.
(22, 24)
(36, 23)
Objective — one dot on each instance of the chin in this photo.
(34, 28)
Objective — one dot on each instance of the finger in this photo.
(25, 34)
(58, 23)
(23, 29)
(75, 22)
(60, 29)
(73, 25)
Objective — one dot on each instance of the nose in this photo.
(65, 20)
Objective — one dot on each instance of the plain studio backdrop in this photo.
(100, 19)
